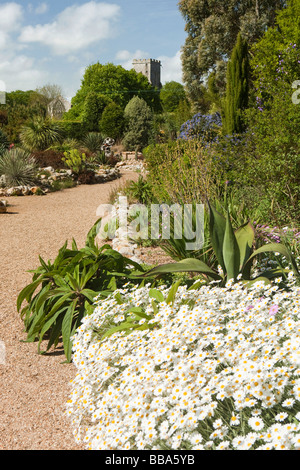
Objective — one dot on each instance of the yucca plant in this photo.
(234, 252)
(40, 134)
(62, 292)
(19, 167)
(93, 142)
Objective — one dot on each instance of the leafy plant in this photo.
(141, 190)
(93, 142)
(234, 252)
(75, 161)
(18, 166)
(62, 293)
(40, 134)
(4, 142)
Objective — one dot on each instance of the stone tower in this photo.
(150, 68)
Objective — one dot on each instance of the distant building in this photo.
(150, 68)
(58, 107)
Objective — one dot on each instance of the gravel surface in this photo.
(34, 388)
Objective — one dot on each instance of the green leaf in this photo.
(278, 248)
(172, 292)
(66, 329)
(27, 292)
(185, 265)
(231, 252)
(217, 226)
(245, 237)
(89, 294)
(156, 294)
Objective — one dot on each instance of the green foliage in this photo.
(73, 129)
(112, 121)
(75, 160)
(139, 119)
(94, 105)
(234, 252)
(212, 29)
(274, 58)
(237, 88)
(40, 134)
(140, 190)
(93, 142)
(4, 142)
(184, 171)
(62, 292)
(19, 167)
(171, 94)
(116, 83)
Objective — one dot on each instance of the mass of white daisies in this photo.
(216, 368)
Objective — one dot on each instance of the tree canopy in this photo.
(115, 82)
(212, 28)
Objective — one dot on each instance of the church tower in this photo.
(150, 68)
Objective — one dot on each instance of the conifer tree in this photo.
(237, 87)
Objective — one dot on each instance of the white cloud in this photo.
(11, 15)
(41, 8)
(171, 68)
(75, 28)
(125, 57)
(21, 73)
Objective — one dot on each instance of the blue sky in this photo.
(54, 41)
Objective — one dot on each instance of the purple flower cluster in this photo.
(201, 126)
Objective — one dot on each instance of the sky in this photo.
(52, 42)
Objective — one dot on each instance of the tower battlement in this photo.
(150, 68)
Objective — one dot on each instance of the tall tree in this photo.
(113, 81)
(212, 28)
(237, 87)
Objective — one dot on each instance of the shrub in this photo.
(138, 117)
(73, 129)
(205, 127)
(4, 142)
(62, 292)
(183, 172)
(40, 134)
(112, 121)
(19, 167)
(49, 158)
(93, 142)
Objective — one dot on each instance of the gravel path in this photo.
(34, 388)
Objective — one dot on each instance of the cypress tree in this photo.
(237, 87)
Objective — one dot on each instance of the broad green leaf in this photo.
(90, 294)
(244, 237)
(231, 252)
(172, 292)
(185, 265)
(66, 329)
(217, 226)
(156, 294)
(278, 248)
(27, 292)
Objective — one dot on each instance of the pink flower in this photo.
(273, 309)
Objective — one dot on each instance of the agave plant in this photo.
(40, 134)
(234, 252)
(18, 167)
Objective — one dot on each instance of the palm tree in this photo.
(39, 134)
